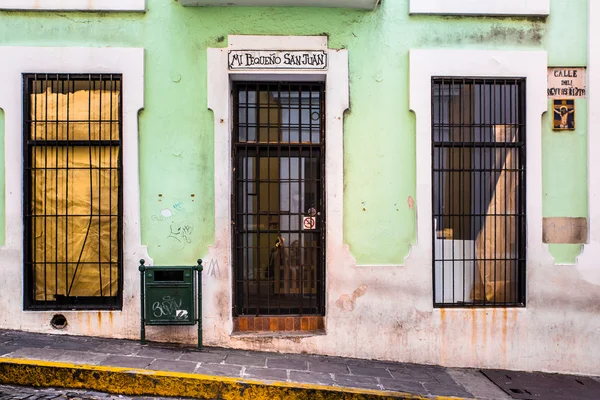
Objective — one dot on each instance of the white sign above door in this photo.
(266, 59)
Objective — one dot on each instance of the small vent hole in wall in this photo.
(58, 321)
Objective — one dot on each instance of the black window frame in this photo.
(521, 216)
(68, 302)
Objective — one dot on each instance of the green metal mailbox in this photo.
(170, 296)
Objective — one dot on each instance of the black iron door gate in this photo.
(278, 206)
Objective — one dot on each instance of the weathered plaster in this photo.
(393, 318)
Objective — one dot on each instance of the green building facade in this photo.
(389, 181)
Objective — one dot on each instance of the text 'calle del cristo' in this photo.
(566, 83)
(254, 59)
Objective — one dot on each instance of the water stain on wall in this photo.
(347, 302)
(223, 303)
(412, 320)
(531, 32)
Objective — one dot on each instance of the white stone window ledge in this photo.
(481, 7)
(74, 5)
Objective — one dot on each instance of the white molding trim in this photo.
(480, 7)
(587, 262)
(531, 65)
(358, 4)
(252, 42)
(219, 100)
(74, 5)
(130, 63)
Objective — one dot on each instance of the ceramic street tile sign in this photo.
(566, 83)
(564, 115)
(266, 59)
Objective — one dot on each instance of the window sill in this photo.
(466, 306)
(359, 4)
(279, 334)
(481, 7)
(74, 5)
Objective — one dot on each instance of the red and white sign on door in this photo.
(309, 223)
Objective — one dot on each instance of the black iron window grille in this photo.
(478, 192)
(278, 205)
(72, 185)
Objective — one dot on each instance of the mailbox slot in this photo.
(168, 276)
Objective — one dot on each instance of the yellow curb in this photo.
(133, 381)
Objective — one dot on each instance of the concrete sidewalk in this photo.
(128, 368)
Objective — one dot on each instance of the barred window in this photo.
(72, 187)
(478, 181)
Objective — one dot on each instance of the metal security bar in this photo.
(478, 181)
(72, 185)
(278, 205)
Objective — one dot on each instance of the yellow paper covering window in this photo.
(75, 194)
(83, 115)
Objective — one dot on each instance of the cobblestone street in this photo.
(27, 393)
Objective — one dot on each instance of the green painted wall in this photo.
(176, 134)
(565, 154)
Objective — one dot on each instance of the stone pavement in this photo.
(120, 366)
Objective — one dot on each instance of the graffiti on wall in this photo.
(173, 221)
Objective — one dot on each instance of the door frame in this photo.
(218, 287)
